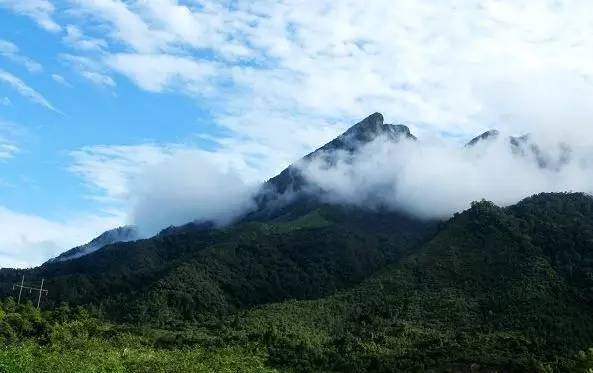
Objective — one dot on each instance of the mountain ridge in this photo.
(291, 192)
(492, 291)
(119, 234)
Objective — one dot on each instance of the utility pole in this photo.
(22, 286)
(40, 291)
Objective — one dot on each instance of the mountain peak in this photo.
(373, 126)
(279, 189)
(488, 135)
(364, 132)
(373, 123)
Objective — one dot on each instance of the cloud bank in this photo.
(159, 186)
(434, 179)
(32, 240)
(189, 187)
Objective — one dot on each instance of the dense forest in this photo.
(328, 289)
(197, 273)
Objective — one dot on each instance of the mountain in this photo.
(208, 273)
(486, 136)
(296, 247)
(120, 234)
(314, 286)
(290, 185)
(495, 290)
(492, 290)
(290, 180)
(548, 157)
(275, 191)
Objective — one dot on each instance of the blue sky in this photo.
(107, 106)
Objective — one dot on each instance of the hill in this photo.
(494, 290)
(497, 289)
(202, 273)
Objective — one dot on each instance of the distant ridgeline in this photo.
(326, 287)
(121, 234)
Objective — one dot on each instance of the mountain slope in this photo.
(203, 274)
(339, 288)
(486, 136)
(302, 248)
(279, 194)
(120, 234)
(501, 289)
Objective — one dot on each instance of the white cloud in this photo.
(156, 73)
(437, 179)
(162, 185)
(150, 185)
(11, 138)
(33, 239)
(98, 78)
(124, 24)
(75, 38)
(5, 101)
(41, 11)
(90, 69)
(24, 90)
(437, 66)
(10, 51)
(60, 79)
(7, 149)
(152, 27)
(109, 170)
(191, 185)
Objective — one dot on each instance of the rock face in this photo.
(120, 234)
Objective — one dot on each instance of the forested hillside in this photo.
(200, 273)
(305, 284)
(293, 245)
(495, 289)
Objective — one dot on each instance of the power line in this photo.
(22, 286)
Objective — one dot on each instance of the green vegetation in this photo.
(331, 289)
(197, 274)
(487, 291)
(69, 340)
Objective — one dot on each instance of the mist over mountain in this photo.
(370, 166)
(120, 234)
(190, 187)
(348, 260)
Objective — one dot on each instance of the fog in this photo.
(436, 178)
(428, 178)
